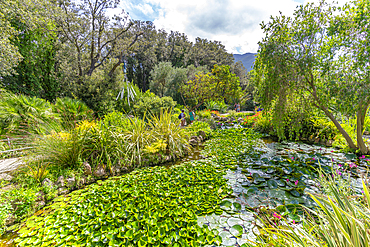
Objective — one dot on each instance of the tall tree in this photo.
(219, 84)
(319, 58)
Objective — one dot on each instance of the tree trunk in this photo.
(340, 128)
(359, 131)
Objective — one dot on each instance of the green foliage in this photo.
(71, 111)
(218, 85)
(316, 53)
(5, 210)
(149, 103)
(152, 206)
(197, 126)
(220, 106)
(340, 220)
(170, 132)
(21, 114)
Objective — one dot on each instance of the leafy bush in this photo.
(196, 126)
(149, 103)
(71, 111)
(5, 211)
(20, 115)
(220, 106)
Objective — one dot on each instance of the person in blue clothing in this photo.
(192, 116)
(182, 115)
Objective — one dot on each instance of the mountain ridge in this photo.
(247, 59)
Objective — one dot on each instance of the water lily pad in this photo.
(295, 193)
(234, 221)
(272, 184)
(227, 238)
(236, 230)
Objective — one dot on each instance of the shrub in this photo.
(197, 126)
(150, 103)
(71, 111)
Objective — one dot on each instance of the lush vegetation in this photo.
(317, 53)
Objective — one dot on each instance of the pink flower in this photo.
(293, 221)
(287, 179)
(277, 216)
(340, 165)
(292, 158)
(313, 158)
(367, 159)
(362, 157)
(296, 182)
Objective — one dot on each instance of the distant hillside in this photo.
(247, 59)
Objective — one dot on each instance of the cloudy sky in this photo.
(233, 22)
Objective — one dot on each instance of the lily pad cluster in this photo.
(155, 206)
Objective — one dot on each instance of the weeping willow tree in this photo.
(317, 59)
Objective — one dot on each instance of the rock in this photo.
(200, 138)
(7, 177)
(193, 142)
(40, 196)
(82, 181)
(240, 120)
(366, 133)
(322, 141)
(40, 204)
(47, 182)
(60, 181)
(202, 133)
(217, 118)
(329, 143)
(87, 168)
(99, 171)
(71, 182)
(116, 169)
(62, 191)
(10, 220)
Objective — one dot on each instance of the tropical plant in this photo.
(21, 114)
(71, 111)
(164, 128)
(149, 103)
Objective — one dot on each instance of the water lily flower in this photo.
(277, 216)
(362, 157)
(287, 179)
(313, 158)
(340, 165)
(296, 182)
(293, 221)
(292, 158)
(367, 159)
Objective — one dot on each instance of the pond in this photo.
(276, 176)
(239, 177)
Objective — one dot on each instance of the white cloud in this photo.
(236, 23)
(146, 9)
(233, 22)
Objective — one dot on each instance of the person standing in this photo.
(237, 107)
(182, 115)
(192, 116)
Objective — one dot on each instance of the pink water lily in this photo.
(277, 216)
(287, 179)
(296, 182)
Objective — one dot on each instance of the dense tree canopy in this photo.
(320, 57)
(219, 84)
